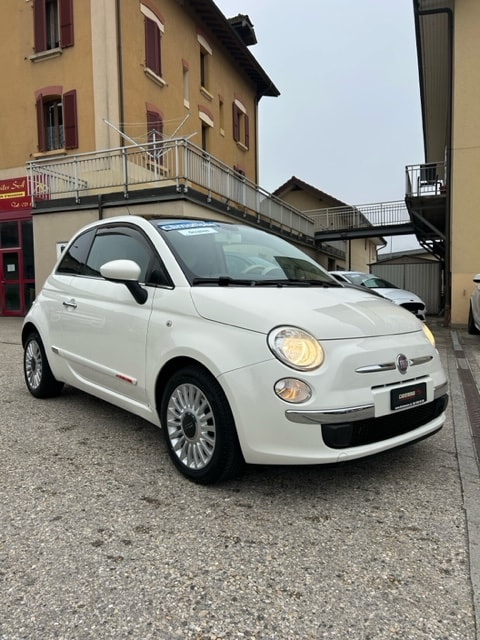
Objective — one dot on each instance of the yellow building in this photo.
(81, 76)
(442, 191)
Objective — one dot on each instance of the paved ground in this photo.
(100, 538)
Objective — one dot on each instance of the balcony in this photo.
(426, 200)
(174, 166)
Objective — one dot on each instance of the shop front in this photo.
(17, 273)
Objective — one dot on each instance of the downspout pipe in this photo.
(419, 13)
(121, 103)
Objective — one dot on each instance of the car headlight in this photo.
(429, 334)
(292, 390)
(296, 348)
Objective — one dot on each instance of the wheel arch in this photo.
(171, 367)
(27, 329)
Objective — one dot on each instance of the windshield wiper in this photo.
(225, 281)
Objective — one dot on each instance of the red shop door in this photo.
(11, 283)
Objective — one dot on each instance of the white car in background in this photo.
(402, 297)
(239, 345)
(474, 310)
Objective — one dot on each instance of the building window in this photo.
(53, 24)
(57, 121)
(221, 115)
(154, 124)
(154, 29)
(186, 84)
(205, 54)
(205, 129)
(206, 118)
(241, 125)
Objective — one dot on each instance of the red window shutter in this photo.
(236, 122)
(42, 138)
(247, 131)
(66, 23)
(154, 122)
(70, 126)
(152, 47)
(39, 26)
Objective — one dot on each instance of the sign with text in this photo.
(14, 194)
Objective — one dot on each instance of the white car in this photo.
(276, 365)
(474, 309)
(402, 297)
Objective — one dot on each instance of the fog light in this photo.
(292, 390)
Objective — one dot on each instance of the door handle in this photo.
(70, 303)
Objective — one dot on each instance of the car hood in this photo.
(400, 296)
(332, 313)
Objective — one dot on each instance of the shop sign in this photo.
(14, 194)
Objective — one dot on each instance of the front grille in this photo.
(414, 307)
(356, 434)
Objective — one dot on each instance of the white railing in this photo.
(425, 179)
(380, 214)
(175, 162)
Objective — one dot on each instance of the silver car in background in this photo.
(402, 297)
(474, 311)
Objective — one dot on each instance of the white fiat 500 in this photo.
(239, 345)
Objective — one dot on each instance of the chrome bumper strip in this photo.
(347, 414)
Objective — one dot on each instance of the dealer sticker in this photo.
(410, 396)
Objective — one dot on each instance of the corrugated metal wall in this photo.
(424, 279)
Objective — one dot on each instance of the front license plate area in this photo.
(409, 396)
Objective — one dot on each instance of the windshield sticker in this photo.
(197, 224)
(196, 232)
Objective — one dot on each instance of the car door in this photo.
(104, 329)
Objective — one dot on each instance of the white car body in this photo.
(406, 299)
(474, 309)
(98, 338)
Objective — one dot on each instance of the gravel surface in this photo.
(101, 538)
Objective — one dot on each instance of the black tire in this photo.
(39, 378)
(471, 328)
(199, 428)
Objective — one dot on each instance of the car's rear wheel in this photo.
(38, 376)
(471, 328)
(199, 428)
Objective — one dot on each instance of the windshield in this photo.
(370, 281)
(212, 250)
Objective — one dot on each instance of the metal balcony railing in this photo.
(381, 214)
(423, 180)
(174, 162)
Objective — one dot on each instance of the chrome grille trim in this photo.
(390, 366)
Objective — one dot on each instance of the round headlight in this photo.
(429, 334)
(296, 348)
(293, 390)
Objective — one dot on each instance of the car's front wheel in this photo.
(38, 376)
(199, 428)
(471, 328)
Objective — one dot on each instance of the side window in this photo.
(52, 24)
(73, 261)
(124, 243)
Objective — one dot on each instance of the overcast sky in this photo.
(348, 118)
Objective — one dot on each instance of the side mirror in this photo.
(127, 272)
(476, 278)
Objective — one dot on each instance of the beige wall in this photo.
(465, 213)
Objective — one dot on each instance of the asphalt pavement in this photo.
(101, 538)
